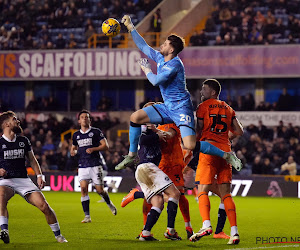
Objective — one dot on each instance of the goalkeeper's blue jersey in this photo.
(170, 76)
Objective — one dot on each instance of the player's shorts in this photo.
(174, 173)
(210, 166)
(21, 186)
(94, 174)
(189, 178)
(183, 117)
(151, 179)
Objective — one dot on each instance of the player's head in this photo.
(174, 44)
(9, 120)
(211, 89)
(84, 118)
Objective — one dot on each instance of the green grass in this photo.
(257, 217)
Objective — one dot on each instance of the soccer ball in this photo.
(111, 27)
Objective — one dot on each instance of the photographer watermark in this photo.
(278, 239)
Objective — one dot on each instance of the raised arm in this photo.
(139, 40)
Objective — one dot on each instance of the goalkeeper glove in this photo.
(126, 20)
(145, 65)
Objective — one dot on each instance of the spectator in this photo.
(199, 39)
(290, 167)
(249, 103)
(60, 42)
(72, 43)
(156, 21)
(210, 25)
(267, 167)
(219, 41)
(284, 101)
(90, 31)
(257, 167)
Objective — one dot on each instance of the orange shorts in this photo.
(174, 173)
(213, 167)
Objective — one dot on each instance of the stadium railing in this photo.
(123, 40)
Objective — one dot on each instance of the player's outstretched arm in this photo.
(139, 40)
(160, 78)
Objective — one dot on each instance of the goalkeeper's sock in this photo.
(134, 135)
(152, 218)
(146, 210)
(230, 209)
(221, 219)
(85, 201)
(208, 148)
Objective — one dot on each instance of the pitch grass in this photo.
(257, 217)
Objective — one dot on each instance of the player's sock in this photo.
(230, 209)
(208, 148)
(152, 219)
(185, 210)
(234, 230)
(85, 201)
(134, 135)
(55, 228)
(204, 206)
(4, 222)
(105, 196)
(146, 210)
(138, 195)
(221, 219)
(172, 212)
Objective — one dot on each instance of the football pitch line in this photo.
(271, 247)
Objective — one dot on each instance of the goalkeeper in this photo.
(177, 106)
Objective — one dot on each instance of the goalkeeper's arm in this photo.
(138, 39)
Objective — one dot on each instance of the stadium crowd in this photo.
(260, 22)
(53, 24)
(263, 150)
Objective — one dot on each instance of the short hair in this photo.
(84, 111)
(213, 84)
(177, 43)
(5, 116)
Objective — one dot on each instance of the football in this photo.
(111, 27)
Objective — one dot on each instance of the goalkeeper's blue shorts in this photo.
(183, 117)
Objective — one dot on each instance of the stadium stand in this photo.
(251, 23)
(31, 24)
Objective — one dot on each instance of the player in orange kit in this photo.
(217, 124)
(172, 164)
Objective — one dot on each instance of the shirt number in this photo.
(185, 118)
(217, 120)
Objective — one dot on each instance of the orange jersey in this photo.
(217, 118)
(171, 151)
